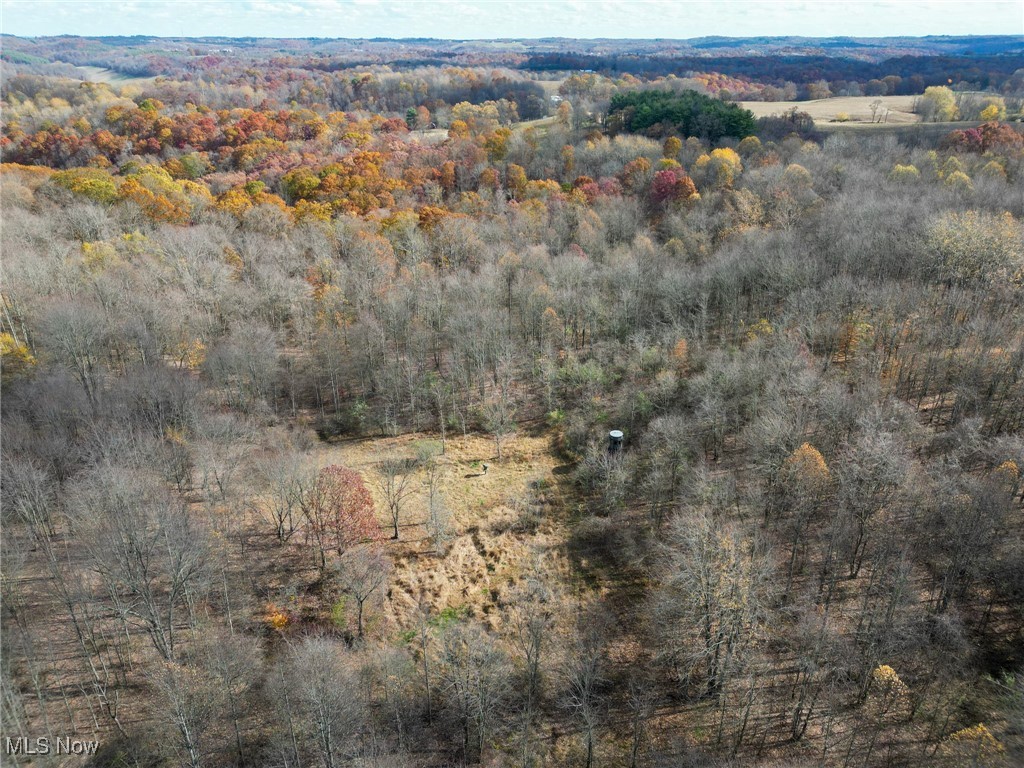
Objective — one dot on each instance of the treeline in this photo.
(912, 73)
(441, 88)
(301, 69)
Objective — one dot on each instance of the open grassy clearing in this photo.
(505, 522)
(438, 135)
(550, 86)
(900, 108)
(104, 75)
(429, 136)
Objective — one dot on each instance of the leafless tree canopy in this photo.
(313, 351)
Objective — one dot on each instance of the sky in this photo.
(488, 19)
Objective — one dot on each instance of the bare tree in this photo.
(76, 335)
(424, 641)
(149, 552)
(474, 679)
(361, 571)
(498, 411)
(28, 495)
(531, 618)
(641, 705)
(287, 477)
(871, 473)
(105, 657)
(190, 702)
(961, 527)
(222, 447)
(584, 673)
(394, 481)
(326, 697)
(440, 395)
(394, 669)
(875, 106)
(499, 414)
(245, 364)
(234, 665)
(713, 602)
(439, 516)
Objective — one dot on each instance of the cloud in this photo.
(497, 18)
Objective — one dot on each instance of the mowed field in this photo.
(104, 75)
(900, 109)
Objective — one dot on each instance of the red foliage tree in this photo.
(339, 511)
(671, 185)
(983, 138)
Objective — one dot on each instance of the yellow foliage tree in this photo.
(991, 112)
(98, 256)
(796, 177)
(307, 210)
(1009, 470)
(760, 329)
(719, 169)
(749, 146)
(904, 174)
(458, 129)
(938, 104)
(191, 353)
(807, 466)
(729, 156)
(993, 170)
(959, 180)
(92, 183)
(949, 166)
(15, 358)
(276, 618)
(992, 108)
(888, 694)
(973, 747)
(564, 116)
(515, 178)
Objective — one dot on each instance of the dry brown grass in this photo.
(109, 76)
(900, 109)
(430, 136)
(493, 549)
(493, 545)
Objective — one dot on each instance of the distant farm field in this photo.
(104, 75)
(894, 109)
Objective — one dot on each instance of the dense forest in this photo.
(909, 74)
(308, 381)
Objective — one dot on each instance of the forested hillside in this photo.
(307, 392)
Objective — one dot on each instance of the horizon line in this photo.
(519, 39)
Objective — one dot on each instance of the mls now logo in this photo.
(23, 745)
